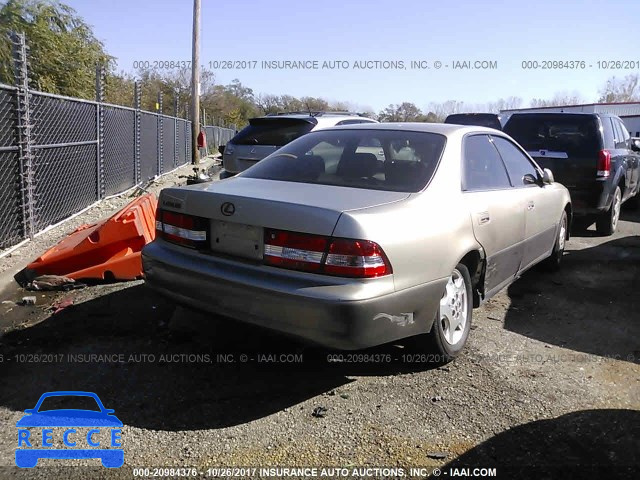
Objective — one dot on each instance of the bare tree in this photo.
(560, 99)
(268, 103)
(621, 90)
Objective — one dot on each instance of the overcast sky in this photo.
(401, 30)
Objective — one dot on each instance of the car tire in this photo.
(555, 259)
(607, 222)
(225, 174)
(442, 343)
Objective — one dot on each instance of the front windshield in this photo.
(393, 160)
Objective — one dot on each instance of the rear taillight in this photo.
(604, 163)
(297, 251)
(356, 258)
(182, 229)
(331, 256)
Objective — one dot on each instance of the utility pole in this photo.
(195, 83)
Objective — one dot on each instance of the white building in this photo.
(629, 112)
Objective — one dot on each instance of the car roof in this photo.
(316, 115)
(331, 120)
(551, 114)
(441, 128)
(323, 119)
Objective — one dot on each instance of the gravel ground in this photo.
(550, 378)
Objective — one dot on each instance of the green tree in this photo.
(63, 50)
(232, 104)
(402, 112)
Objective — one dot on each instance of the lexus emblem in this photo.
(228, 209)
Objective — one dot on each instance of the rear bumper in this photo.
(591, 200)
(234, 165)
(333, 312)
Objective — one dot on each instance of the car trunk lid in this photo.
(239, 209)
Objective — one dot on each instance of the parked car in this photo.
(264, 135)
(489, 120)
(591, 154)
(325, 241)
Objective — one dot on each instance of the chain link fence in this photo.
(217, 136)
(11, 228)
(59, 155)
(76, 153)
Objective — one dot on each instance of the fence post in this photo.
(187, 144)
(25, 142)
(137, 97)
(160, 133)
(100, 130)
(175, 128)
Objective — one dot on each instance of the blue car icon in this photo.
(27, 456)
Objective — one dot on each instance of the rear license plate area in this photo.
(237, 239)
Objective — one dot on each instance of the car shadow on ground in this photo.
(584, 226)
(630, 214)
(591, 305)
(575, 445)
(166, 373)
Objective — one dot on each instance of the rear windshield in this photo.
(272, 131)
(476, 119)
(374, 159)
(575, 135)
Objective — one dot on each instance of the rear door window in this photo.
(574, 135)
(517, 163)
(617, 134)
(624, 134)
(272, 131)
(483, 168)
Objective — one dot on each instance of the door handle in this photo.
(483, 217)
(531, 206)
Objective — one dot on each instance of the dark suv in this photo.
(591, 154)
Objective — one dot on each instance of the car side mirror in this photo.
(109, 411)
(547, 176)
(635, 144)
(30, 410)
(221, 149)
(530, 179)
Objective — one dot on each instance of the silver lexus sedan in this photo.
(359, 235)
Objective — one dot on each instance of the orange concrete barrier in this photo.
(109, 249)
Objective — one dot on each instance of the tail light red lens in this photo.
(182, 229)
(331, 256)
(297, 251)
(604, 163)
(356, 258)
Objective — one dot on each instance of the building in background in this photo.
(629, 112)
